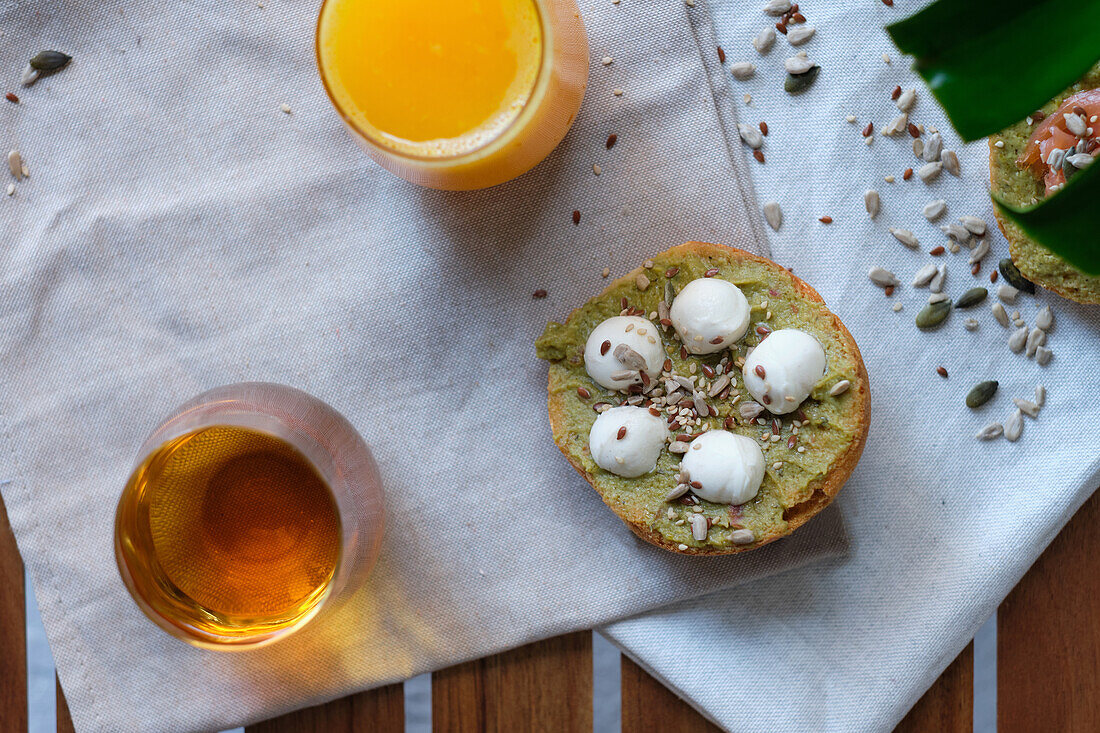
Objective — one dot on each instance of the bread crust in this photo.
(824, 490)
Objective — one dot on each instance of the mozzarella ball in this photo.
(633, 345)
(728, 466)
(710, 315)
(782, 371)
(637, 450)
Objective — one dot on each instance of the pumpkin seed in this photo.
(47, 61)
(983, 392)
(797, 83)
(971, 298)
(1010, 272)
(933, 314)
(1014, 426)
(991, 431)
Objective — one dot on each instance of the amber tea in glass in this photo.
(247, 512)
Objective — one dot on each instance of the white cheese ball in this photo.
(728, 466)
(710, 315)
(783, 369)
(637, 334)
(634, 454)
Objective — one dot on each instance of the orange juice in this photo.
(454, 94)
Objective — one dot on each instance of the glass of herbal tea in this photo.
(251, 509)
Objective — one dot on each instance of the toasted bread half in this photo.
(830, 428)
(1020, 186)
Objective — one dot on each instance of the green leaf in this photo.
(1068, 222)
(992, 64)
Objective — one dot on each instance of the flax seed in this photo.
(759, 155)
(721, 55)
(576, 218)
(826, 220)
(942, 372)
(621, 434)
(604, 347)
(867, 131)
(711, 272)
(611, 140)
(907, 174)
(914, 131)
(937, 251)
(763, 128)
(584, 393)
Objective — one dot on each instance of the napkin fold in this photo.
(942, 525)
(180, 231)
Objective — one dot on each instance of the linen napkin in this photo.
(180, 231)
(942, 525)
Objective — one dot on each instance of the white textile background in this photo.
(942, 526)
(179, 231)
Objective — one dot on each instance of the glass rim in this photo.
(501, 137)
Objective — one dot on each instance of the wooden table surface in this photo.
(1048, 668)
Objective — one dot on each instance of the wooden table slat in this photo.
(948, 705)
(64, 720)
(649, 705)
(13, 633)
(379, 711)
(545, 686)
(1048, 635)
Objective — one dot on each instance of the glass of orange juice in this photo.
(454, 94)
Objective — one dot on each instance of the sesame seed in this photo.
(606, 60)
(888, 179)
(596, 169)
(999, 144)
(617, 92)
(285, 108)
(606, 272)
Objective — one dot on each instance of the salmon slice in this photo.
(1053, 133)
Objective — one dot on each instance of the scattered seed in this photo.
(576, 218)
(750, 136)
(721, 55)
(924, 275)
(611, 140)
(934, 209)
(1044, 319)
(991, 431)
(800, 34)
(872, 202)
(826, 220)
(970, 324)
(711, 272)
(981, 249)
(937, 298)
(1036, 338)
(1014, 426)
(540, 293)
(1010, 273)
(937, 251)
(933, 314)
(905, 100)
(49, 61)
(882, 277)
(699, 527)
(869, 129)
(742, 70)
(759, 155)
(1043, 355)
(929, 171)
(973, 224)
(584, 393)
(1007, 293)
(933, 147)
(1040, 395)
(1018, 340)
(777, 8)
(951, 162)
(913, 131)
(936, 286)
(981, 393)
(773, 215)
(30, 75)
(971, 298)
(888, 179)
(764, 40)
(1027, 407)
(798, 83)
(942, 372)
(10, 96)
(621, 434)
(604, 347)
(905, 237)
(1000, 314)
(896, 125)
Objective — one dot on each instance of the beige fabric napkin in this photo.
(179, 231)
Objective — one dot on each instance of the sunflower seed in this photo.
(936, 286)
(1075, 123)
(934, 209)
(1040, 395)
(951, 162)
(799, 64)
(991, 431)
(623, 375)
(678, 446)
(797, 83)
(980, 251)
(720, 384)
(924, 275)
(700, 401)
(641, 281)
(1079, 160)
(684, 382)
(956, 232)
(1055, 158)
(1035, 339)
(906, 99)
(742, 537)
(882, 277)
(676, 493)
(764, 40)
(905, 237)
(750, 410)
(1014, 426)
(937, 298)
(933, 147)
(970, 324)
(896, 125)
(15, 164)
(1043, 355)
(839, 388)
(929, 171)
(1010, 272)
(918, 148)
(1018, 340)
(973, 224)
(777, 7)
(742, 70)
(773, 215)
(750, 136)
(799, 34)
(698, 527)
(1007, 293)
(999, 314)
(981, 393)
(1028, 407)
(629, 358)
(1044, 319)
(971, 298)
(933, 314)
(872, 202)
